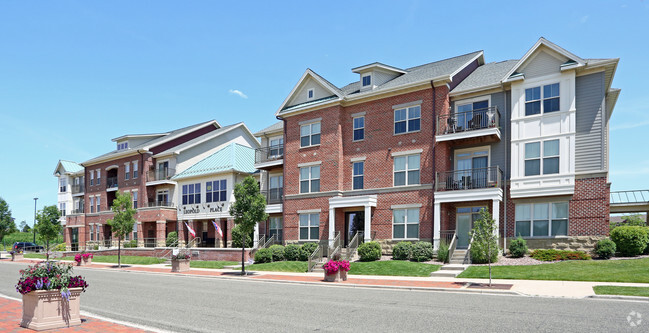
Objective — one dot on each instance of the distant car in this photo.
(27, 246)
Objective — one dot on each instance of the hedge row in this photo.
(291, 252)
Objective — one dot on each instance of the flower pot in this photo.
(85, 261)
(343, 275)
(17, 256)
(46, 309)
(335, 277)
(180, 265)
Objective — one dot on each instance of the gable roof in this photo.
(313, 75)
(196, 141)
(145, 146)
(276, 127)
(574, 60)
(378, 65)
(439, 70)
(68, 167)
(233, 157)
(484, 76)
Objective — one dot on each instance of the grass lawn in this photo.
(631, 270)
(279, 266)
(625, 291)
(212, 264)
(128, 260)
(392, 268)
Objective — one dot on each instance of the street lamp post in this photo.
(35, 199)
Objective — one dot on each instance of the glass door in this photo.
(464, 225)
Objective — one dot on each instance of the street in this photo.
(199, 304)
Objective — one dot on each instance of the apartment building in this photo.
(415, 153)
(71, 189)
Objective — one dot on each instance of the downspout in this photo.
(434, 143)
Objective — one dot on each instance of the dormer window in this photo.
(123, 145)
(309, 94)
(367, 80)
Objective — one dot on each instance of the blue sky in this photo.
(75, 74)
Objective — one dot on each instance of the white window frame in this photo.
(550, 219)
(92, 205)
(196, 194)
(406, 170)
(541, 100)
(127, 171)
(276, 143)
(311, 134)
(354, 128)
(92, 177)
(310, 180)
(63, 184)
(406, 223)
(135, 170)
(98, 177)
(217, 192)
(312, 219)
(363, 80)
(406, 120)
(541, 157)
(98, 203)
(134, 198)
(310, 94)
(361, 175)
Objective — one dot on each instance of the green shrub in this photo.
(630, 241)
(552, 255)
(484, 247)
(292, 252)
(402, 251)
(307, 250)
(172, 239)
(605, 248)
(263, 256)
(126, 244)
(369, 251)
(518, 247)
(278, 252)
(443, 252)
(59, 247)
(646, 250)
(236, 237)
(422, 251)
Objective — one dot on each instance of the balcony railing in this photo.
(78, 188)
(270, 153)
(468, 121)
(159, 204)
(469, 179)
(274, 195)
(160, 174)
(78, 211)
(111, 182)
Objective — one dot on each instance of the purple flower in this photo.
(65, 294)
(39, 284)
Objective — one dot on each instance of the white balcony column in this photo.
(255, 241)
(332, 226)
(437, 223)
(368, 223)
(495, 212)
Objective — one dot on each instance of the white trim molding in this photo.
(469, 195)
(407, 152)
(406, 206)
(358, 159)
(358, 114)
(309, 211)
(307, 164)
(310, 121)
(405, 105)
(353, 201)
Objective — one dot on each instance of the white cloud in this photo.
(583, 19)
(238, 93)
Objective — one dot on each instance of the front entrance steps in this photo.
(457, 264)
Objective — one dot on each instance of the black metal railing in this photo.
(160, 174)
(274, 195)
(469, 179)
(270, 153)
(159, 204)
(78, 188)
(111, 182)
(78, 211)
(468, 120)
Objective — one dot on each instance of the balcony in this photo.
(78, 188)
(471, 179)
(153, 204)
(111, 183)
(274, 195)
(267, 157)
(479, 123)
(160, 175)
(77, 211)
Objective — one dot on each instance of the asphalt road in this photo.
(196, 304)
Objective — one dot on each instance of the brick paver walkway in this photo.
(11, 314)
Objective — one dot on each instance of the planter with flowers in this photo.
(83, 258)
(336, 270)
(180, 262)
(16, 254)
(51, 296)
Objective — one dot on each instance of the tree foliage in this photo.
(248, 209)
(7, 224)
(48, 226)
(484, 247)
(24, 227)
(122, 222)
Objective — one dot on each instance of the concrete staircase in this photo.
(455, 266)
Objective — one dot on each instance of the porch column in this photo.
(160, 235)
(437, 223)
(140, 234)
(368, 223)
(255, 241)
(332, 226)
(495, 212)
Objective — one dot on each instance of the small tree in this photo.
(248, 209)
(48, 226)
(7, 225)
(484, 246)
(24, 227)
(122, 222)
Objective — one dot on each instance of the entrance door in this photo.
(463, 229)
(354, 223)
(74, 239)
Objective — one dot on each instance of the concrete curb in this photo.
(620, 297)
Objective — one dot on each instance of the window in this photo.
(405, 223)
(162, 197)
(275, 188)
(134, 199)
(310, 179)
(63, 185)
(534, 104)
(310, 135)
(127, 171)
(309, 94)
(276, 147)
(134, 230)
(407, 120)
(542, 219)
(359, 128)
(135, 169)
(406, 170)
(98, 202)
(216, 191)
(92, 204)
(276, 228)
(98, 176)
(191, 194)
(550, 160)
(92, 177)
(357, 176)
(62, 208)
(92, 232)
(122, 145)
(310, 226)
(367, 80)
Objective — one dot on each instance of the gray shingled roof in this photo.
(272, 128)
(485, 75)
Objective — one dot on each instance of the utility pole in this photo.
(35, 199)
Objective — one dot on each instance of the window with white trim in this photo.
(135, 173)
(542, 219)
(546, 164)
(406, 170)
(405, 223)
(276, 228)
(134, 199)
(310, 226)
(62, 208)
(98, 176)
(98, 202)
(537, 104)
(92, 204)
(309, 94)
(92, 177)
(359, 128)
(92, 232)
(122, 145)
(407, 120)
(358, 171)
(63, 184)
(216, 191)
(276, 147)
(127, 171)
(191, 194)
(310, 179)
(162, 197)
(310, 134)
(366, 80)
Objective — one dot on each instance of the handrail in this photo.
(260, 242)
(451, 246)
(193, 242)
(336, 246)
(467, 256)
(273, 195)
(270, 241)
(476, 178)
(317, 254)
(353, 244)
(170, 249)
